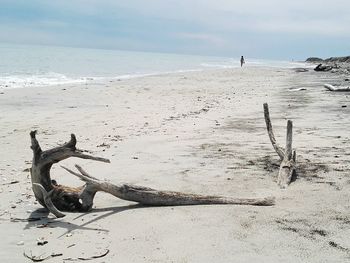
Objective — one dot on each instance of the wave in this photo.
(56, 79)
(40, 80)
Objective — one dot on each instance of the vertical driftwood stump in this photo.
(56, 197)
(287, 155)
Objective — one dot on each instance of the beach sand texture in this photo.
(196, 132)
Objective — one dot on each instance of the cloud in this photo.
(221, 27)
(199, 37)
(311, 27)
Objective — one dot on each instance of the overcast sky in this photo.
(278, 29)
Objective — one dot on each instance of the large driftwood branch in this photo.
(152, 197)
(332, 88)
(57, 197)
(287, 156)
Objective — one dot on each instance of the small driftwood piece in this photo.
(58, 198)
(39, 258)
(88, 258)
(332, 88)
(287, 155)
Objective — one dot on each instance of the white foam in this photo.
(54, 79)
(40, 80)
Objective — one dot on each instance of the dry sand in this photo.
(198, 132)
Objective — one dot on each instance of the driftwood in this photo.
(40, 258)
(321, 67)
(58, 198)
(332, 88)
(88, 258)
(287, 155)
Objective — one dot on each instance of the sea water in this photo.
(33, 65)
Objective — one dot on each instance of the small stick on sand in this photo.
(332, 88)
(39, 258)
(88, 258)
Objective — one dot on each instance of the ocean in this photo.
(25, 66)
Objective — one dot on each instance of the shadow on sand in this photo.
(39, 219)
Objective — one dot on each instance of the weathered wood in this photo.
(287, 167)
(289, 140)
(279, 150)
(63, 198)
(332, 88)
(57, 197)
(48, 201)
(287, 156)
(152, 197)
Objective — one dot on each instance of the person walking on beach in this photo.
(242, 61)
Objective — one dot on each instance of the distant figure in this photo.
(242, 61)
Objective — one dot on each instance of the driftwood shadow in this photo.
(39, 219)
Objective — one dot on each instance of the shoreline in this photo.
(29, 81)
(195, 132)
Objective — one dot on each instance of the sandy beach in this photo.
(196, 132)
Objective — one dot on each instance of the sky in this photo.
(270, 29)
